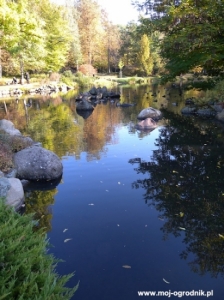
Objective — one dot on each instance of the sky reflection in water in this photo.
(144, 189)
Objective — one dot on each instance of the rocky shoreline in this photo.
(31, 163)
(16, 90)
(209, 110)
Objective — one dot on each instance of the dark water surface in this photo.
(134, 211)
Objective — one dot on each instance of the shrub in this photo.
(26, 270)
(68, 78)
(87, 70)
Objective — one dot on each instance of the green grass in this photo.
(27, 271)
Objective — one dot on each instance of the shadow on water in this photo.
(184, 181)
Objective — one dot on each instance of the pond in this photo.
(134, 211)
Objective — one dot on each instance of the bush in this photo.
(68, 78)
(87, 70)
(26, 270)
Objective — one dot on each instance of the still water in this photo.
(134, 211)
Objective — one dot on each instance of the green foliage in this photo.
(145, 57)
(26, 270)
(192, 34)
(68, 78)
(214, 95)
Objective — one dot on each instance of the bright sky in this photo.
(119, 11)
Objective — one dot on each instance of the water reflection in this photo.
(184, 181)
(38, 202)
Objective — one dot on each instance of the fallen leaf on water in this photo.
(166, 281)
(65, 241)
(182, 228)
(181, 214)
(126, 267)
(221, 236)
(65, 229)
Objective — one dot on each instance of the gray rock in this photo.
(8, 127)
(217, 107)
(84, 105)
(150, 112)
(15, 195)
(188, 110)
(93, 91)
(104, 92)
(37, 163)
(206, 112)
(11, 174)
(220, 116)
(4, 186)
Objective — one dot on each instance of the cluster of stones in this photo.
(211, 110)
(33, 163)
(48, 89)
(44, 89)
(11, 92)
(86, 101)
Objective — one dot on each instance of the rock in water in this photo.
(150, 112)
(37, 163)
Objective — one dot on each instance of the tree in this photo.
(193, 34)
(58, 35)
(89, 25)
(70, 14)
(9, 27)
(145, 57)
(28, 42)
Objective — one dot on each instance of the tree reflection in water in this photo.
(185, 182)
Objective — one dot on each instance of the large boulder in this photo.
(15, 195)
(12, 190)
(37, 163)
(147, 124)
(8, 127)
(4, 186)
(150, 112)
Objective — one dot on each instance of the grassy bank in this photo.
(26, 270)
